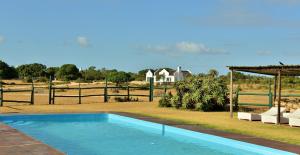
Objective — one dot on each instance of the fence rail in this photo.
(54, 89)
(269, 95)
(2, 91)
(106, 95)
(53, 92)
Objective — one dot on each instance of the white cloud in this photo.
(264, 53)
(2, 39)
(191, 47)
(82, 41)
(184, 47)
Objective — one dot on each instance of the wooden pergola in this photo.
(274, 70)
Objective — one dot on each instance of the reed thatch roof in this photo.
(286, 70)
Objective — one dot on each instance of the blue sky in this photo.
(132, 35)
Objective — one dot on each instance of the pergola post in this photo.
(231, 93)
(279, 97)
(275, 88)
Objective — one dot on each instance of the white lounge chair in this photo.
(270, 116)
(294, 118)
(248, 116)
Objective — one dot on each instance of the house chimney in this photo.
(179, 69)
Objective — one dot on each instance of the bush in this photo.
(206, 93)
(27, 80)
(126, 99)
(175, 101)
(80, 80)
(235, 99)
(165, 101)
(187, 101)
(42, 79)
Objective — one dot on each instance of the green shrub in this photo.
(175, 101)
(213, 95)
(165, 101)
(235, 99)
(187, 101)
(205, 93)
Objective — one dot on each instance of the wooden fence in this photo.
(106, 95)
(269, 94)
(2, 91)
(53, 92)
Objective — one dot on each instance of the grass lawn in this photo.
(215, 120)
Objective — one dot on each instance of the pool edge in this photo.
(197, 128)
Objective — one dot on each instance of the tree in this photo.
(213, 73)
(119, 77)
(32, 70)
(52, 71)
(141, 75)
(6, 71)
(92, 74)
(68, 72)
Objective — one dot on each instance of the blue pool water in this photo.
(110, 134)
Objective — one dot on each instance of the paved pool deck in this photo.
(13, 142)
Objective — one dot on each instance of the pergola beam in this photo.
(279, 97)
(275, 89)
(231, 93)
(286, 70)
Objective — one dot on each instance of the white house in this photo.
(167, 75)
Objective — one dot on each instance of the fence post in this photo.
(270, 96)
(151, 90)
(50, 89)
(237, 98)
(165, 88)
(53, 99)
(1, 94)
(79, 95)
(32, 94)
(128, 93)
(105, 91)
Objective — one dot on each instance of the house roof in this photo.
(171, 71)
(286, 70)
(151, 70)
(186, 73)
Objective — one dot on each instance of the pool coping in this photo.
(197, 128)
(15, 134)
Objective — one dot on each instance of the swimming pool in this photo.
(110, 134)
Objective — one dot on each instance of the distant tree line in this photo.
(66, 72)
(70, 72)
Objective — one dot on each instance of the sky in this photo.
(132, 35)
